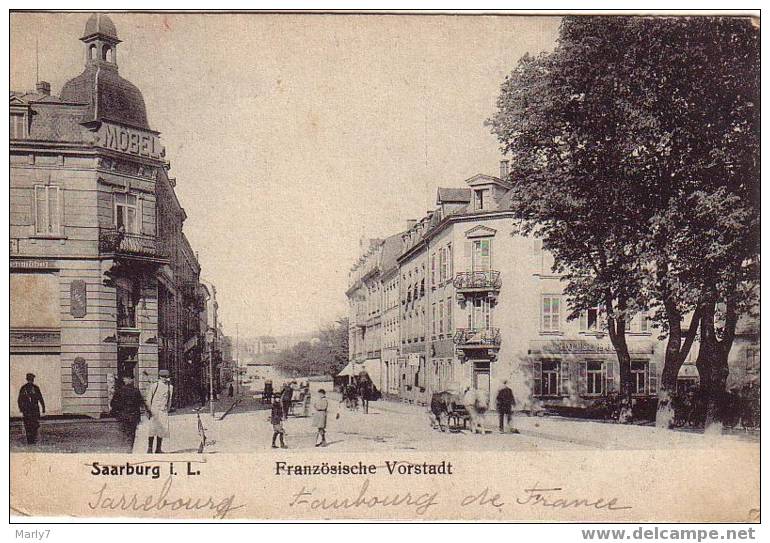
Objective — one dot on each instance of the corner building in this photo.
(85, 252)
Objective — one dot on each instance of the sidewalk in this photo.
(591, 433)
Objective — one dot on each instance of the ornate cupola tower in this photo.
(101, 40)
(110, 97)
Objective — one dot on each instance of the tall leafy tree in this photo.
(636, 152)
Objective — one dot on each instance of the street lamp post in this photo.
(210, 339)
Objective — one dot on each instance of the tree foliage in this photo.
(636, 152)
(325, 355)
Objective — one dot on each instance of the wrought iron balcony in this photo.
(478, 281)
(131, 245)
(477, 338)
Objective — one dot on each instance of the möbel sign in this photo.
(128, 140)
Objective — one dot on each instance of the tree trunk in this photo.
(712, 364)
(676, 354)
(616, 326)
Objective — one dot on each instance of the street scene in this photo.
(286, 232)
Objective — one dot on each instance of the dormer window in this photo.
(18, 125)
(478, 199)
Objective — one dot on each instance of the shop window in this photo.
(47, 210)
(547, 378)
(127, 213)
(595, 377)
(639, 377)
(128, 294)
(550, 314)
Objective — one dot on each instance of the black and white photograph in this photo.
(374, 258)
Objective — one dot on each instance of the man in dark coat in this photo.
(126, 405)
(286, 395)
(505, 403)
(276, 418)
(30, 402)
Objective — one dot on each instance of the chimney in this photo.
(410, 223)
(504, 170)
(43, 87)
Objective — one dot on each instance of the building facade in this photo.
(478, 304)
(95, 227)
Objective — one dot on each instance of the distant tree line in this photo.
(326, 354)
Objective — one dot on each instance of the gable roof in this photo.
(483, 179)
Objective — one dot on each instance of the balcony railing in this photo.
(483, 338)
(478, 281)
(122, 243)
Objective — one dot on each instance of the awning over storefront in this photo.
(370, 366)
(347, 371)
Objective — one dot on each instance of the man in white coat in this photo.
(159, 400)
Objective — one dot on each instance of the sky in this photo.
(292, 136)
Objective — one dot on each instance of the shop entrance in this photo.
(127, 358)
(481, 378)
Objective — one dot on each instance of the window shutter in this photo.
(60, 199)
(583, 321)
(140, 214)
(433, 269)
(582, 375)
(537, 378)
(609, 372)
(564, 377)
(39, 206)
(468, 253)
(652, 368)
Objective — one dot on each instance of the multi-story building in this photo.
(391, 315)
(365, 303)
(479, 304)
(413, 294)
(93, 225)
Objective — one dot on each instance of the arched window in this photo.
(107, 53)
(92, 52)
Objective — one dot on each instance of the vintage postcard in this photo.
(385, 266)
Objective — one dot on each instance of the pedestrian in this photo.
(286, 395)
(364, 391)
(505, 402)
(351, 393)
(276, 417)
(305, 399)
(30, 401)
(230, 390)
(321, 407)
(267, 392)
(159, 400)
(126, 405)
